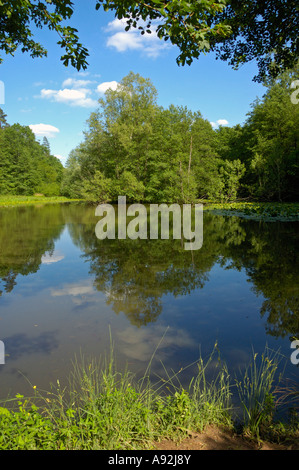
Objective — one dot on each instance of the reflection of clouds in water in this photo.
(52, 258)
(21, 344)
(239, 358)
(141, 344)
(77, 291)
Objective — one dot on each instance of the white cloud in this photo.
(61, 158)
(220, 122)
(72, 82)
(106, 85)
(77, 96)
(79, 293)
(117, 24)
(122, 41)
(44, 130)
(141, 346)
(73, 290)
(52, 258)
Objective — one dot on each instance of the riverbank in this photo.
(11, 201)
(108, 410)
(218, 438)
(267, 211)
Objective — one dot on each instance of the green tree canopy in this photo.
(3, 121)
(272, 135)
(136, 148)
(17, 18)
(264, 31)
(26, 166)
(239, 31)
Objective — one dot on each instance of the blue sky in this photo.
(56, 100)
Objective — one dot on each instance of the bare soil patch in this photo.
(219, 439)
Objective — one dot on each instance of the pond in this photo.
(64, 294)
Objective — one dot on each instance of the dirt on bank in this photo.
(218, 439)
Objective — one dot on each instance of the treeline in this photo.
(27, 166)
(136, 148)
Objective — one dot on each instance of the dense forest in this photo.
(136, 148)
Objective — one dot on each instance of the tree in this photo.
(115, 147)
(17, 18)
(239, 31)
(145, 152)
(97, 189)
(272, 143)
(26, 166)
(46, 145)
(185, 24)
(3, 121)
(265, 31)
(231, 174)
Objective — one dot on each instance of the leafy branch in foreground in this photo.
(17, 18)
(185, 24)
(238, 31)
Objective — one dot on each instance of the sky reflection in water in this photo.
(63, 291)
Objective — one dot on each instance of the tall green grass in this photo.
(255, 391)
(103, 408)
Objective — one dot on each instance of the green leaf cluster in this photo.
(19, 18)
(238, 31)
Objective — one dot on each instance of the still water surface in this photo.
(62, 291)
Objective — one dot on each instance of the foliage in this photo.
(146, 152)
(97, 188)
(105, 409)
(272, 136)
(185, 24)
(26, 166)
(239, 31)
(137, 148)
(17, 18)
(256, 392)
(262, 31)
(8, 201)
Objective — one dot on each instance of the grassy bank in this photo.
(255, 210)
(8, 201)
(268, 211)
(105, 409)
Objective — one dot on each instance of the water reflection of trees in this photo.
(26, 234)
(270, 256)
(135, 275)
